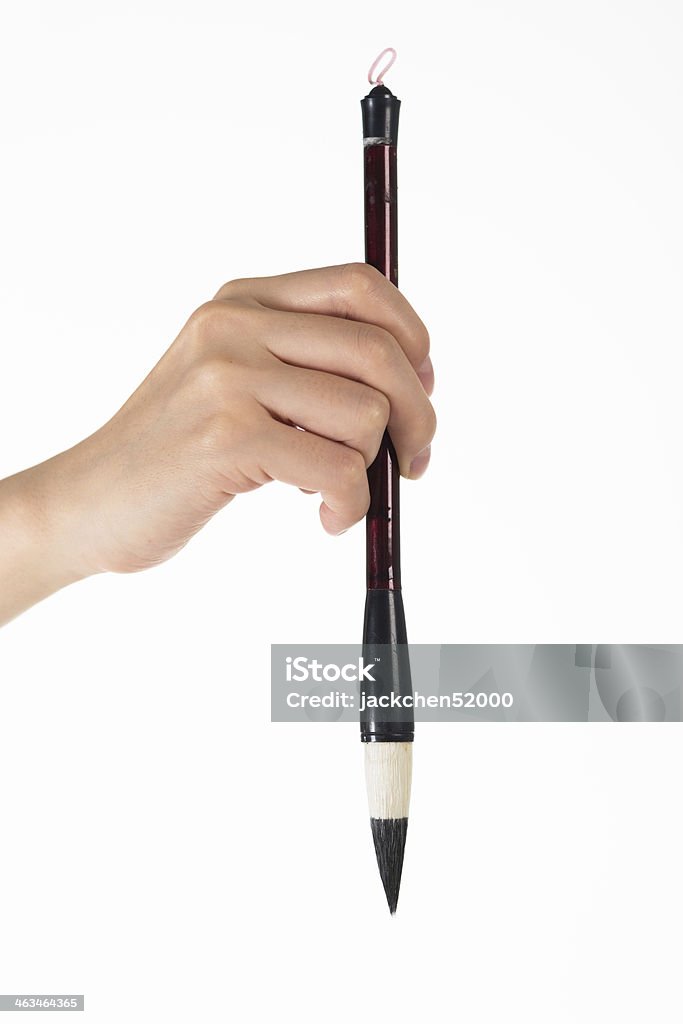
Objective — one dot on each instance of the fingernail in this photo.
(420, 462)
(426, 374)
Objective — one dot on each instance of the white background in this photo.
(164, 848)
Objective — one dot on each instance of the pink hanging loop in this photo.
(380, 77)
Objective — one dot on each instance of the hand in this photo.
(338, 352)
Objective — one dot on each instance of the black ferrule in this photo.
(385, 651)
(380, 115)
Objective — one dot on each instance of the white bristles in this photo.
(388, 774)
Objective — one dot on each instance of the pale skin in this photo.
(336, 351)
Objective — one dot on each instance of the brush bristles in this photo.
(389, 837)
(388, 775)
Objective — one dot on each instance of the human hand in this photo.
(336, 351)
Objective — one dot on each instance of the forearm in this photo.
(37, 534)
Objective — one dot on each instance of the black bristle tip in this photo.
(389, 837)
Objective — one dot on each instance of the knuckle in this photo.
(207, 319)
(377, 347)
(217, 325)
(360, 277)
(233, 289)
(350, 470)
(374, 409)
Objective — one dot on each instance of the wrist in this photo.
(39, 552)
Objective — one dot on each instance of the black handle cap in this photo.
(380, 115)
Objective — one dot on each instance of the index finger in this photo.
(354, 291)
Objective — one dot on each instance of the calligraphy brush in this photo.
(387, 735)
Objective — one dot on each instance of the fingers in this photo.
(350, 351)
(352, 291)
(315, 463)
(330, 406)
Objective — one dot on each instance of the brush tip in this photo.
(389, 837)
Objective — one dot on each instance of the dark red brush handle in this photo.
(381, 250)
